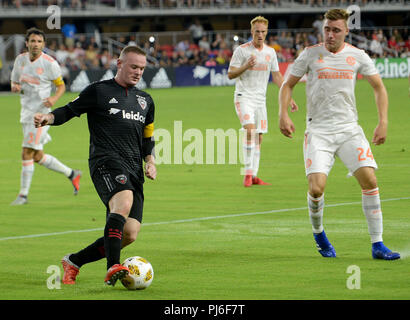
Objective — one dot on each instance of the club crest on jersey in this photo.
(121, 178)
(142, 102)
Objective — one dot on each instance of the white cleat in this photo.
(19, 200)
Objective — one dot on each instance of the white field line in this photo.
(194, 219)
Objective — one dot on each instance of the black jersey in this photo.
(116, 118)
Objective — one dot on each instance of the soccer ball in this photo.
(141, 273)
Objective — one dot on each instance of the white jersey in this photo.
(36, 80)
(330, 85)
(253, 82)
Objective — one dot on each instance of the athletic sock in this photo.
(54, 164)
(248, 152)
(316, 206)
(256, 158)
(93, 252)
(113, 238)
(27, 172)
(372, 210)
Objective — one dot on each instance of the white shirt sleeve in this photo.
(15, 73)
(367, 66)
(300, 66)
(237, 57)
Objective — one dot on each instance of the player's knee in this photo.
(129, 237)
(316, 191)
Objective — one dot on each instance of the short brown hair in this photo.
(337, 14)
(35, 31)
(134, 49)
(259, 19)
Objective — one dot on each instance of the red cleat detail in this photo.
(247, 181)
(70, 271)
(116, 272)
(260, 182)
(76, 181)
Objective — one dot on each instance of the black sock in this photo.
(113, 238)
(93, 252)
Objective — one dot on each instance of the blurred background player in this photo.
(251, 65)
(33, 76)
(121, 124)
(332, 128)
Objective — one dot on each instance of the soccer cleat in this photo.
(116, 272)
(70, 270)
(247, 181)
(75, 180)
(380, 251)
(21, 199)
(258, 181)
(324, 246)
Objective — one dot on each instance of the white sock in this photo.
(256, 158)
(54, 164)
(27, 171)
(248, 152)
(372, 210)
(316, 206)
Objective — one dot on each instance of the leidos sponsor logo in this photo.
(133, 116)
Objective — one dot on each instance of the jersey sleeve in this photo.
(367, 66)
(86, 100)
(237, 57)
(55, 71)
(274, 62)
(15, 73)
(300, 66)
(149, 121)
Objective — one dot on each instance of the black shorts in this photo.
(111, 177)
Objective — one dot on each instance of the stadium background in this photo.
(92, 33)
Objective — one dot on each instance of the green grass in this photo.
(196, 232)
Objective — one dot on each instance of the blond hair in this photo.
(259, 19)
(337, 14)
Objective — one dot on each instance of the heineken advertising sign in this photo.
(393, 67)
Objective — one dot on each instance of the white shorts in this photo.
(320, 150)
(35, 138)
(251, 112)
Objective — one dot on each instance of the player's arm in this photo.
(148, 150)
(382, 103)
(60, 89)
(55, 118)
(234, 72)
(15, 87)
(277, 78)
(286, 125)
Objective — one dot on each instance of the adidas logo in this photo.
(114, 110)
(80, 82)
(113, 100)
(161, 80)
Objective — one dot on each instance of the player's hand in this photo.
(251, 61)
(49, 102)
(150, 170)
(15, 87)
(41, 119)
(380, 134)
(286, 126)
(293, 106)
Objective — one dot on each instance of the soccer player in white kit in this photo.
(251, 65)
(33, 76)
(332, 127)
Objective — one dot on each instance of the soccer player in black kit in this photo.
(121, 124)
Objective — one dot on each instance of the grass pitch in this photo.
(207, 236)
